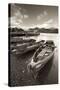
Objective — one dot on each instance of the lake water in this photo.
(44, 36)
(48, 75)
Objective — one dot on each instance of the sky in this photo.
(30, 16)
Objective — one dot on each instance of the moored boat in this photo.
(41, 57)
(15, 40)
(24, 33)
(23, 48)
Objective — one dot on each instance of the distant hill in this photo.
(16, 30)
(35, 30)
(44, 30)
(21, 32)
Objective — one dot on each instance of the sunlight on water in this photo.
(44, 36)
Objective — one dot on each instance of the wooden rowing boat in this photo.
(41, 57)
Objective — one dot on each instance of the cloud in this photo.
(15, 9)
(14, 22)
(49, 21)
(39, 17)
(45, 13)
(17, 16)
(42, 15)
(26, 16)
(46, 24)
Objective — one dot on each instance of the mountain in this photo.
(43, 30)
(35, 30)
(22, 32)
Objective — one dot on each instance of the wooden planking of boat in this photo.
(42, 55)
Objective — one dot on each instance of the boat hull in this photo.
(35, 67)
(26, 47)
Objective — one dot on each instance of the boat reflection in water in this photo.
(42, 55)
